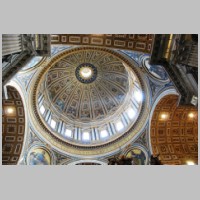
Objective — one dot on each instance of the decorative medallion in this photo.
(86, 73)
(38, 156)
(156, 71)
(138, 156)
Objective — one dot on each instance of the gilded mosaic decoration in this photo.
(38, 156)
(137, 155)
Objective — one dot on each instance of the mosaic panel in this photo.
(137, 155)
(38, 156)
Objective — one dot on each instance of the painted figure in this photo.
(138, 157)
(38, 158)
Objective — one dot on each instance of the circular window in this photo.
(86, 73)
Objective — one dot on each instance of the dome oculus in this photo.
(86, 73)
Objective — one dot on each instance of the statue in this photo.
(154, 160)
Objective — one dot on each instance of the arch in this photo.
(163, 94)
(86, 162)
(174, 131)
(13, 127)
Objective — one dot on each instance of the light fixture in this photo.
(163, 116)
(191, 115)
(10, 110)
(86, 136)
(104, 133)
(68, 133)
(119, 126)
(190, 162)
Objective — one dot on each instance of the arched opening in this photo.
(85, 162)
(13, 127)
(174, 132)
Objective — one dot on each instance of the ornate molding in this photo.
(135, 42)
